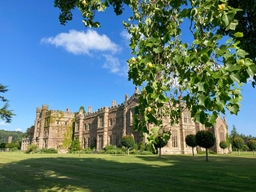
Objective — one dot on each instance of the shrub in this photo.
(14, 149)
(142, 146)
(48, 151)
(128, 141)
(223, 145)
(87, 150)
(31, 149)
(75, 146)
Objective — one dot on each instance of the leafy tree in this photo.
(30, 132)
(75, 146)
(233, 133)
(5, 114)
(238, 143)
(205, 73)
(160, 144)
(206, 140)
(128, 142)
(191, 141)
(246, 23)
(223, 145)
(82, 108)
(252, 145)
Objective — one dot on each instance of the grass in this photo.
(109, 173)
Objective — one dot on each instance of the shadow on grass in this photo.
(129, 173)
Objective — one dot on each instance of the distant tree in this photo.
(223, 145)
(191, 141)
(206, 140)
(233, 134)
(245, 148)
(238, 143)
(5, 114)
(82, 108)
(252, 145)
(3, 146)
(16, 136)
(29, 132)
(160, 144)
(128, 142)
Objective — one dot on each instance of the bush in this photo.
(223, 145)
(31, 149)
(142, 146)
(75, 146)
(87, 150)
(48, 151)
(14, 149)
(128, 141)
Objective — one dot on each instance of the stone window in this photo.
(101, 121)
(174, 139)
(131, 116)
(85, 127)
(222, 134)
(186, 118)
(110, 122)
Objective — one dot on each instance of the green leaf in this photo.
(157, 50)
(201, 100)
(235, 77)
(225, 19)
(233, 108)
(238, 34)
(241, 53)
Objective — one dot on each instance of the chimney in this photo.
(113, 103)
(89, 109)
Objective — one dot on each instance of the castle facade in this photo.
(107, 125)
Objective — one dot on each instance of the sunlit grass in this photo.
(96, 172)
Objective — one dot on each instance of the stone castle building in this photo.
(107, 125)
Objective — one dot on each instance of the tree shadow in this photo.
(136, 173)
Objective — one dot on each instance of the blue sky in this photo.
(44, 62)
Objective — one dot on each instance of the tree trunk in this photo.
(160, 152)
(193, 151)
(206, 154)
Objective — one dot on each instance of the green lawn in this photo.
(96, 172)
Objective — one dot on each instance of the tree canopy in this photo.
(247, 24)
(191, 141)
(206, 140)
(206, 74)
(5, 113)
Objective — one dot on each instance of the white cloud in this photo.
(18, 129)
(113, 64)
(126, 35)
(80, 42)
(2, 123)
